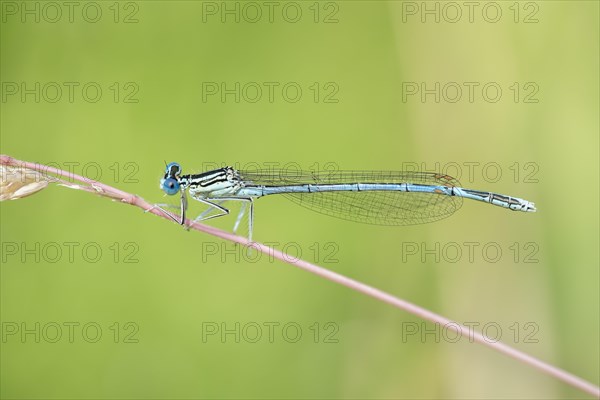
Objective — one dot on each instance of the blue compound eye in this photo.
(170, 186)
(173, 169)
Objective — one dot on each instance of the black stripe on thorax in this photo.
(207, 178)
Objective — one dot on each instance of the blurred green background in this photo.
(155, 291)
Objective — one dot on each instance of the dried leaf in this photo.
(19, 182)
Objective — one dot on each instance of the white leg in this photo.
(167, 213)
(208, 202)
(239, 217)
(246, 200)
(251, 219)
(201, 216)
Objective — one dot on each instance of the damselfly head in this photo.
(170, 186)
(172, 170)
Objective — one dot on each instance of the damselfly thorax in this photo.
(217, 183)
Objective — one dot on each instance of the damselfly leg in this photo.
(216, 204)
(182, 208)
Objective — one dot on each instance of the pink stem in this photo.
(105, 190)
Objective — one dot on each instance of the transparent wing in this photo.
(371, 207)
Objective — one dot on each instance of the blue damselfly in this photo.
(372, 197)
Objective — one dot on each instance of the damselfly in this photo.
(372, 197)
